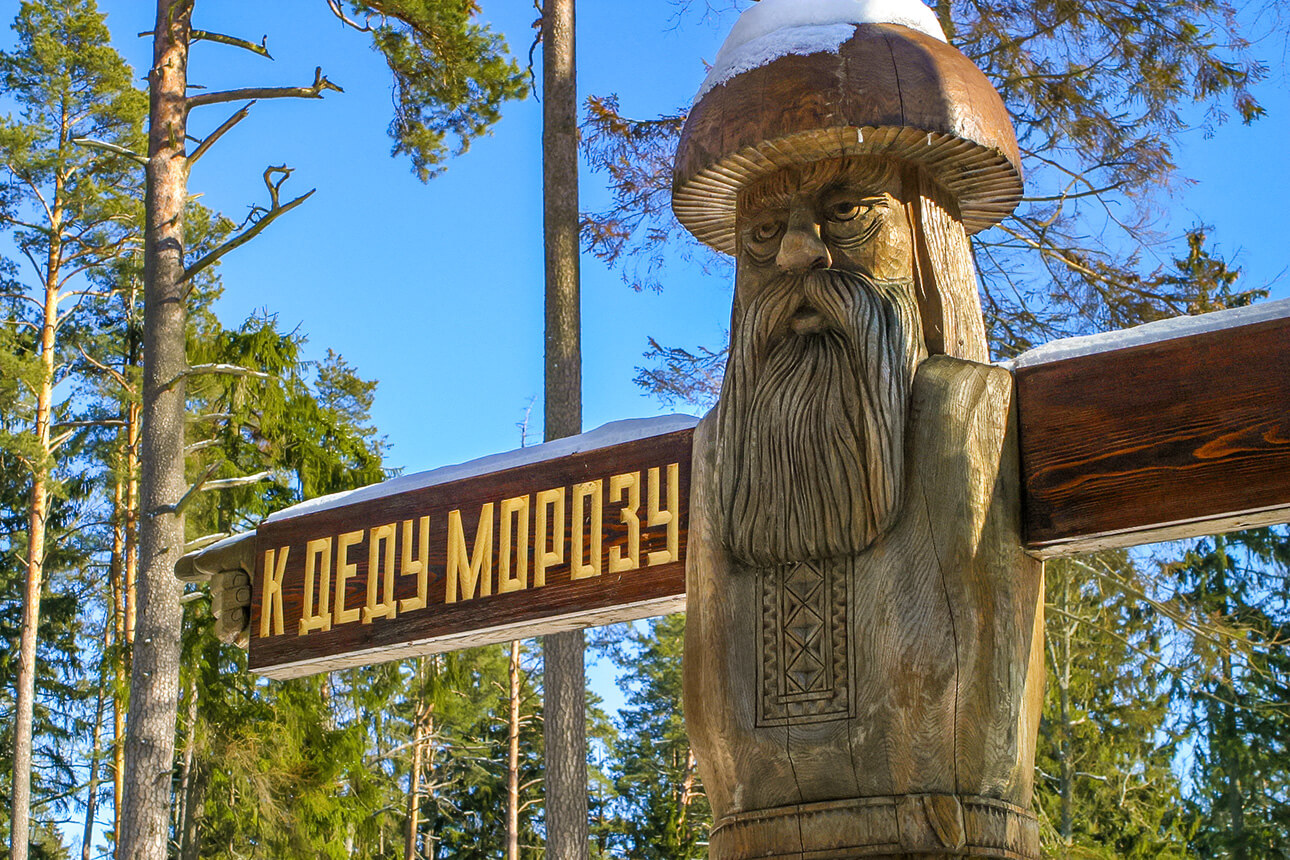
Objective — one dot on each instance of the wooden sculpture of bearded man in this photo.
(863, 655)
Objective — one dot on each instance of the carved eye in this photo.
(843, 210)
(765, 231)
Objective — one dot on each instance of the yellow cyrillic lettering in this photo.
(516, 509)
(630, 515)
(271, 607)
(410, 564)
(380, 572)
(344, 570)
(550, 509)
(473, 570)
(670, 517)
(594, 528)
(321, 619)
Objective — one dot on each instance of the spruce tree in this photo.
(1104, 787)
(281, 766)
(1236, 691)
(1232, 690)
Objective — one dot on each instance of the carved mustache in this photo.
(818, 303)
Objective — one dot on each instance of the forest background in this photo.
(434, 289)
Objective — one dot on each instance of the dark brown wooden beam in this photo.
(1158, 441)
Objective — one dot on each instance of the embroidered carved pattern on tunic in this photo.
(805, 654)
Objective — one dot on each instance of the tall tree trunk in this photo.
(92, 789)
(1225, 728)
(565, 675)
(121, 544)
(182, 809)
(38, 513)
(1063, 674)
(513, 759)
(154, 675)
(422, 756)
(414, 790)
(132, 428)
(190, 842)
(125, 596)
(687, 797)
(1233, 771)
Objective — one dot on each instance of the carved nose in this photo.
(802, 249)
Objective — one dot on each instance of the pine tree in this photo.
(420, 38)
(60, 701)
(68, 211)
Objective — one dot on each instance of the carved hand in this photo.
(227, 566)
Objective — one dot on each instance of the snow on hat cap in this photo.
(799, 81)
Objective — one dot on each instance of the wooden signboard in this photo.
(586, 539)
(1159, 440)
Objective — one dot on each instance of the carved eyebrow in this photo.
(769, 200)
(860, 194)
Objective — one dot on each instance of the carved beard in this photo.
(812, 426)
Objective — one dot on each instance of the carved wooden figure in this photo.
(863, 659)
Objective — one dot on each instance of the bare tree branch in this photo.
(229, 483)
(227, 370)
(90, 143)
(223, 39)
(219, 132)
(339, 12)
(97, 422)
(259, 215)
(314, 91)
(207, 36)
(21, 297)
(224, 369)
(116, 375)
(26, 225)
(204, 483)
(1059, 198)
(189, 494)
(210, 416)
(60, 440)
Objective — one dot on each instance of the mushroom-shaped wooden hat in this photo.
(799, 81)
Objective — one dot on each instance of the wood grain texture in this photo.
(1166, 440)
(948, 300)
(484, 614)
(929, 752)
(887, 91)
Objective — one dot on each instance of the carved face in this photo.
(840, 215)
(825, 337)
